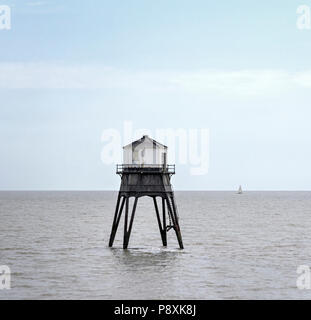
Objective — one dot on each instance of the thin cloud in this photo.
(41, 7)
(231, 83)
(242, 82)
(36, 3)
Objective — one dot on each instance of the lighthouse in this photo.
(145, 172)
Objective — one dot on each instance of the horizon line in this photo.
(176, 190)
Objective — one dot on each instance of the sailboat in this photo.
(240, 190)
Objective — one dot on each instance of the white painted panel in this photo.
(145, 153)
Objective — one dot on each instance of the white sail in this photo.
(240, 190)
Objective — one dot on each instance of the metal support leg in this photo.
(164, 224)
(125, 240)
(128, 230)
(162, 230)
(175, 220)
(116, 220)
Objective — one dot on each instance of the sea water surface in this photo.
(236, 247)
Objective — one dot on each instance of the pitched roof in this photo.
(141, 140)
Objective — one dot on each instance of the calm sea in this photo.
(236, 247)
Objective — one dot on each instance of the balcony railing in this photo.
(148, 168)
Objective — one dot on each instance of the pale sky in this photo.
(71, 69)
